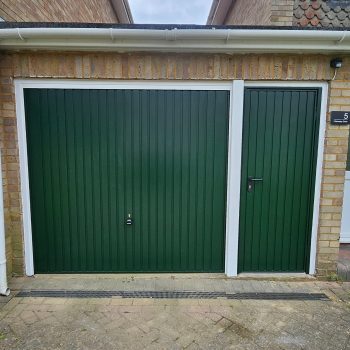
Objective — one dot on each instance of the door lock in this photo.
(129, 220)
(251, 182)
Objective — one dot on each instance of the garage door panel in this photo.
(97, 155)
(280, 137)
(36, 163)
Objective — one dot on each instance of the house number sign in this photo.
(340, 118)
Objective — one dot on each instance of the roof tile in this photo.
(298, 13)
(316, 5)
(336, 23)
(322, 13)
(324, 6)
(331, 15)
(315, 21)
(342, 15)
(304, 5)
(310, 13)
(303, 22)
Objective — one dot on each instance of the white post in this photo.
(3, 275)
(234, 177)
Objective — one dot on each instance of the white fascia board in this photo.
(177, 40)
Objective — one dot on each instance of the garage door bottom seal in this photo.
(170, 295)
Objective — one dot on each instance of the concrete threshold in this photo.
(166, 282)
(146, 276)
(276, 276)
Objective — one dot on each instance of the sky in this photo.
(170, 11)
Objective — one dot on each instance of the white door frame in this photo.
(21, 84)
(236, 89)
(320, 153)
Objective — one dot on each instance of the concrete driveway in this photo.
(143, 323)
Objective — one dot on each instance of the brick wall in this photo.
(252, 12)
(93, 11)
(9, 159)
(184, 67)
(261, 12)
(336, 149)
(282, 12)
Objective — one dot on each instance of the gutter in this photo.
(3, 274)
(209, 40)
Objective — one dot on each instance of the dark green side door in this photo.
(96, 156)
(280, 140)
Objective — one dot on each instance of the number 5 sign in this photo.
(340, 118)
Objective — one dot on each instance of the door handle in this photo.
(251, 182)
(129, 220)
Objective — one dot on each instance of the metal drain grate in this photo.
(170, 295)
(279, 296)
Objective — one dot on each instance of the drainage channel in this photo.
(170, 295)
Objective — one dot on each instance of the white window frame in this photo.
(236, 89)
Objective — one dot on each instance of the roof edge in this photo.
(219, 11)
(122, 11)
(161, 27)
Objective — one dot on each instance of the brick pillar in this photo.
(336, 149)
(10, 170)
(282, 12)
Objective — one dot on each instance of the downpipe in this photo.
(4, 290)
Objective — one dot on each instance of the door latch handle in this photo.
(129, 220)
(251, 182)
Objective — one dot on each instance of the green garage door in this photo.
(280, 140)
(96, 156)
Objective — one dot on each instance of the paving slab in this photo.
(144, 323)
(165, 324)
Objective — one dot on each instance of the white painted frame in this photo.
(234, 177)
(236, 89)
(235, 121)
(320, 153)
(345, 222)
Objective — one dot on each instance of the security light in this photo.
(336, 63)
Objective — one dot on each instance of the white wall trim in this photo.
(123, 84)
(234, 177)
(286, 84)
(318, 180)
(21, 84)
(345, 223)
(23, 164)
(320, 154)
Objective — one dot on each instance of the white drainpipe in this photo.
(4, 290)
